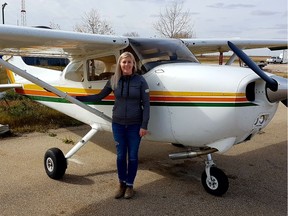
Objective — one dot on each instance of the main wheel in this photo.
(218, 183)
(55, 163)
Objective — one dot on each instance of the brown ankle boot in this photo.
(121, 191)
(129, 193)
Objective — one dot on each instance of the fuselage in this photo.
(191, 104)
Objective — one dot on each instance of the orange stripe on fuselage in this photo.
(183, 99)
(50, 94)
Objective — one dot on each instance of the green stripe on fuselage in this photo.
(172, 104)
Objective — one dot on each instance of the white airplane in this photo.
(203, 107)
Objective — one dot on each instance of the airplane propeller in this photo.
(276, 86)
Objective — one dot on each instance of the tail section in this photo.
(17, 61)
(7, 77)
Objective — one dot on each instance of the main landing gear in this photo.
(55, 162)
(213, 179)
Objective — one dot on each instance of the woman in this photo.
(129, 119)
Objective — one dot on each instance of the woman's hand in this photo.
(143, 132)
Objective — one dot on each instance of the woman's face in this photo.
(126, 65)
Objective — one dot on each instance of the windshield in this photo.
(154, 52)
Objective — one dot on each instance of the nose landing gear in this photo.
(213, 179)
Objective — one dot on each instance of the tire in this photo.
(218, 184)
(55, 163)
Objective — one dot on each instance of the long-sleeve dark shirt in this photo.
(132, 101)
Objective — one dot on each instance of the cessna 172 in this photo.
(203, 107)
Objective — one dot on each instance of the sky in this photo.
(256, 19)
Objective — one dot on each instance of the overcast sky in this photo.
(210, 18)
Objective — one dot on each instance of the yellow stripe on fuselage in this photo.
(10, 76)
(64, 89)
(203, 94)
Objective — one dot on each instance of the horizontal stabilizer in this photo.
(4, 87)
(4, 129)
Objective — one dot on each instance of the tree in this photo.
(92, 23)
(54, 25)
(131, 34)
(174, 22)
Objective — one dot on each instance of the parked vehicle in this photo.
(274, 60)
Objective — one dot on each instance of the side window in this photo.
(101, 68)
(74, 71)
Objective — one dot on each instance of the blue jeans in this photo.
(127, 141)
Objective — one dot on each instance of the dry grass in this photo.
(3, 77)
(24, 115)
(277, 69)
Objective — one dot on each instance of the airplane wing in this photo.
(29, 41)
(201, 46)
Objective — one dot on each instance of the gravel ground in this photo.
(257, 172)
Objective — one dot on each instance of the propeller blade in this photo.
(271, 83)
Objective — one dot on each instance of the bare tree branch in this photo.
(92, 23)
(174, 22)
(54, 25)
(131, 34)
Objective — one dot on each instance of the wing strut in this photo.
(231, 59)
(50, 88)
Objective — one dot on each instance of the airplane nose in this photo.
(276, 87)
(281, 93)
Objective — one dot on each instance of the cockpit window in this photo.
(101, 68)
(74, 71)
(154, 52)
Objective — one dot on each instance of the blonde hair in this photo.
(118, 73)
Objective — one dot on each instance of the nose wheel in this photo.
(213, 179)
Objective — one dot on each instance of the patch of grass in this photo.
(214, 59)
(52, 134)
(68, 141)
(24, 115)
(3, 76)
